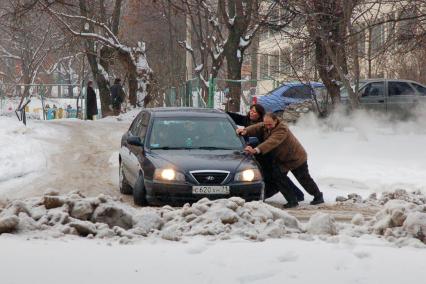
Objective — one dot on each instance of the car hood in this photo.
(191, 160)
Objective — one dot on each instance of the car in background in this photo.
(389, 95)
(290, 93)
(179, 155)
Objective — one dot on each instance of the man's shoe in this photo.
(291, 205)
(300, 198)
(317, 199)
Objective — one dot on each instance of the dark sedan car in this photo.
(178, 155)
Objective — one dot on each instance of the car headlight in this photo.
(248, 175)
(168, 175)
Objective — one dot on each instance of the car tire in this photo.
(139, 192)
(124, 185)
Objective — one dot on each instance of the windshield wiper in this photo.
(214, 148)
(170, 148)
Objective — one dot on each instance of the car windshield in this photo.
(209, 133)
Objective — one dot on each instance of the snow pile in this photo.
(400, 222)
(401, 218)
(71, 214)
(107, 217)
(224, 218)
(128, 116)
(23, 150)
(403, 215)
(322, 224)
(415, 197)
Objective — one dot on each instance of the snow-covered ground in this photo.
(62, 237)
(25, 151)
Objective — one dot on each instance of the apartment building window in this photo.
(274, 20)
(285, 66)
(406, 28)
(309, 58)
(297, 56)
(274, 65)
(390, 26)
(377, 38)
(360, 37)
(264, 66)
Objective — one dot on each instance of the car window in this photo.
(143, 125)
(344, 92)
(298, 92)
(374, 89)
(193, 132)
(135, 124)
(400, 89)
(420, 89)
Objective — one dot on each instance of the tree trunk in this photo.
(140, 74)
(234, 59)
(101, 82)
(323, 65)
(234, 73)
(99, 76)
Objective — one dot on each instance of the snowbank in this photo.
(400, 221)
(25, 150)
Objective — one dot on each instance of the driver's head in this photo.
(189, 125)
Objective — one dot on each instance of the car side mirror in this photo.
(134, 140)
(252, 141)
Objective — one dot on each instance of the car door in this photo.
(372, 96)
(421, 96)
(125, 150)
(136, 155)
(401, 97)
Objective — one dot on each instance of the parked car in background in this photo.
(400, 97)
(179, 155)
(290, 93)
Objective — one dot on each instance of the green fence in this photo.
(215, 93)
(187, 94)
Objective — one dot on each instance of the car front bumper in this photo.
(169, 193)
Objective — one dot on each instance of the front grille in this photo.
(210, 177)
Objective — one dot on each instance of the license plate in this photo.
(210, 189)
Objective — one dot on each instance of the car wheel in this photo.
(139, 192)
(125, 188)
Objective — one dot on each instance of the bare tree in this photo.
(102, 35)
(161, 26)
(223, 30)
(348, 33)
(29, 41)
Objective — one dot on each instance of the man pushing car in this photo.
(288, 155)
